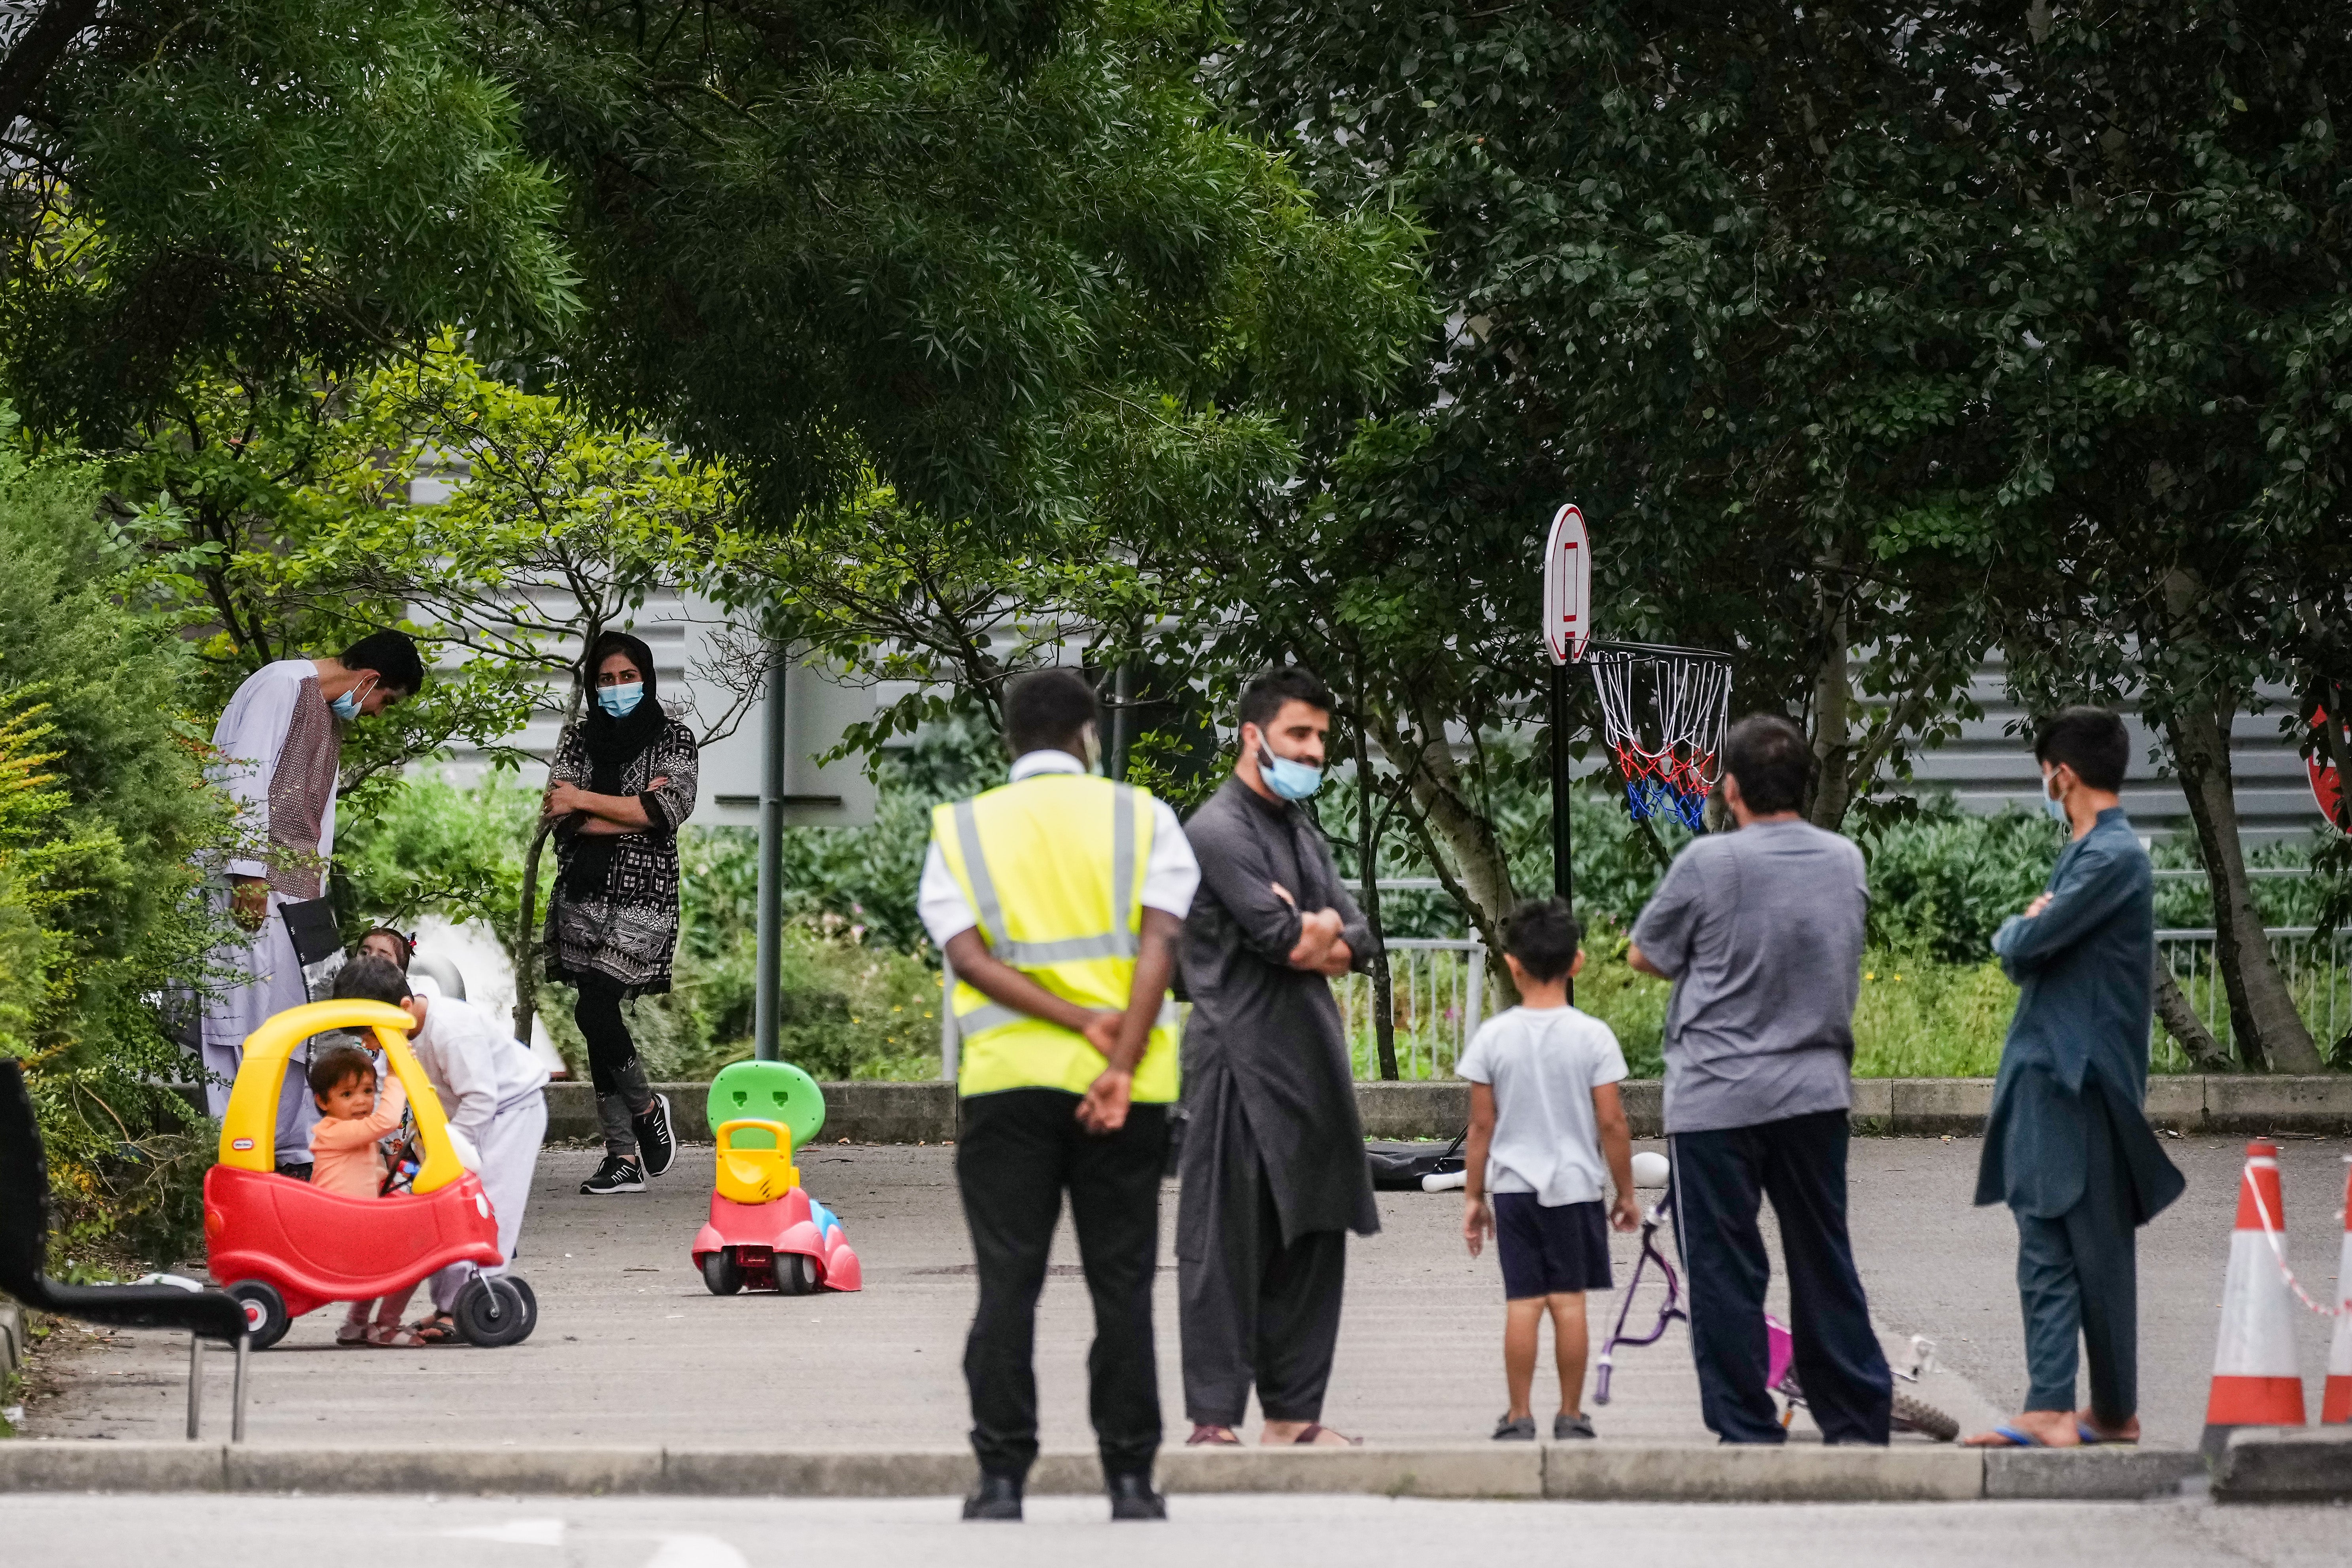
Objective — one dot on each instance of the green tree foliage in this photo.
(263, 183)
(970, 250)
(102, 804)
(1702, 273)
(277, 523)
(2169, 375)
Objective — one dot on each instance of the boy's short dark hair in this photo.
(2091, 741)
(393, 657)
(1543, 935)
(1263, 697)
(368, 978)
(1049, 711)
(1770, 758)
(339, 1065)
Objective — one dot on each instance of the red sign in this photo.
(1567, 586)
(2326, 785)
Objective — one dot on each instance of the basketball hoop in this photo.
(1663, 712)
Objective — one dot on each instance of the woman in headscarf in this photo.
(622, 785)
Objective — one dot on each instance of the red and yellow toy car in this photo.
(284, 1247)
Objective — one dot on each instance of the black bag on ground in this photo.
(1399, 1167)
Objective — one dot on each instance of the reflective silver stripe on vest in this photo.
(1122, 869)
(975, 870)
(1119, 942)
(989, 1015)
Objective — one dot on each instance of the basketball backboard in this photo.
(1567, 586)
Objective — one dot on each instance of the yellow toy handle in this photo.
(746, 1181)
(248, 1139)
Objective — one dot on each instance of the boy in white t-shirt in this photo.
(1546, 1123)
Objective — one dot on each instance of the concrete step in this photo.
(877, 1112)
(1591, 1471)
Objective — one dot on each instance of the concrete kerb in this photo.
(874, 1112)
(2286, 1464)
(2258, 1465)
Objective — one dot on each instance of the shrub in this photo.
(102, 804)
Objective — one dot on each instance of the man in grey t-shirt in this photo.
(1761, 933)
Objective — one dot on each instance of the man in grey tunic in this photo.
(1273, 1161)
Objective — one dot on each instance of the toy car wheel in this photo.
(490, 1312)
(529, 1304)
(722, 1273)
(265, 1322)
(795, 1276)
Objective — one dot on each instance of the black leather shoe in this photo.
(1132, 1497)
(997, 1497)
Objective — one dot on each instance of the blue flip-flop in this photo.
(2092, 1440)
(2018, 1440)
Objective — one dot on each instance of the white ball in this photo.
(1650, 1169)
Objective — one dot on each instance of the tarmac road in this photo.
(204, 1531)
(631, 1348)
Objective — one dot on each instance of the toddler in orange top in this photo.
(347, 1155)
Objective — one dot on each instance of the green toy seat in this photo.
(768, 1091)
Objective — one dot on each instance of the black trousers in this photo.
(1017, 1152)
(1720, 1179)
(1254, 1310)
(614, 1066)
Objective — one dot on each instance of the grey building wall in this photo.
(1990, 765)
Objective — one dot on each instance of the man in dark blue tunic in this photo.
(2066, 1146)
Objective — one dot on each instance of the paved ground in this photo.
(630, 1347)
(1233, 1531)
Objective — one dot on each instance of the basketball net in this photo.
(1663, 711)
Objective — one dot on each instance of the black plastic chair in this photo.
(201, 1313)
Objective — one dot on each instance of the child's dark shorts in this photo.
(1551, 1250)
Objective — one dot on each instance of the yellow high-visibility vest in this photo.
(1052, 866)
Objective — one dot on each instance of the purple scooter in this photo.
(1911, 1413)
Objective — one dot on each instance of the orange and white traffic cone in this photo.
(2255, 1380)
(2335, 1405)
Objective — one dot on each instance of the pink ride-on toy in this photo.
(765, 1232)
(1912, 1413)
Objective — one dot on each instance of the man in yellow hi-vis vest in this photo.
(1058, 901)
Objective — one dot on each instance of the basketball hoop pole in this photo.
(1563, 870)
(1566, 624)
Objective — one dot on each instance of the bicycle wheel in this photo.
(1913, 1415)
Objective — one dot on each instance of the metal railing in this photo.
(1438, 998)
(2318, 975)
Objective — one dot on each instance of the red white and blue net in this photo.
(1663, 712)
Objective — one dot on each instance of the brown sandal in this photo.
(440, 1328)
(1313, 1433)
(1207, 1436)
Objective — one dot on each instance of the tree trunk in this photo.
(2271, 1033)
(1367, 864)
(1483, 886)
(37, 50)
(526, 945)
(1833, 721)
(2181, 1022)
(527, 938)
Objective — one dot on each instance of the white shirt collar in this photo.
(1032, 763)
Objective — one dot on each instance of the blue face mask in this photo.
(620, 701)
(346, 706)
(1290, 780)
(2056, 808)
